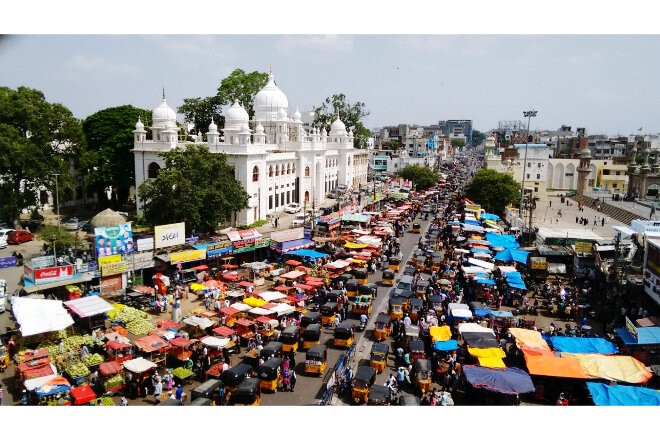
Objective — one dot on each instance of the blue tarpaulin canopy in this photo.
(645, 336)
(485, 281)
(480, 313)
(473, 222)
(515, 280)
(512, 255)
(308, 254)
(506, 241)
(489, 216)
(476, 250)
(501, 314)
(293, 245)
(569, 344)
(505, 381)
(622, 395)
(448, 345)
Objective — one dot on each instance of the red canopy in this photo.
(294, 274)
(223, 331)
(114, 345)
(110, 368)
(244, 322)
(245, 284)
(82, 395)
(228, 311)
(282, 288)
(201, 267)
(181, 342)
(263, 319)
(305, 287)
(152, 343)
(168, 324)
(229, 266)
(231, 276)
(294, 263)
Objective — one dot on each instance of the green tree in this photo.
(350, 114)
(109, 135)
(196, 187)
(457, 143)
(478, 137)
(421, 177)
(239, 85)
(37, 139)
(493, 190)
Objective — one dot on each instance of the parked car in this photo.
(292, 208)
(300, 220)
(72, 224)
(3, 237)
(32, 225)
(19, 236)
(87, 227)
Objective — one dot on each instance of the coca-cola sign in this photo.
(50, 274)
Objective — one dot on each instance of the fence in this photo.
(334, 378)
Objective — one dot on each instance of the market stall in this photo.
(89, 312)
(112, 377)
(153, 349)
(82, 395)
(136, 372)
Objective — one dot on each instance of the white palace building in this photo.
(276, 159)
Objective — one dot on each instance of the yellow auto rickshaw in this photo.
(416, 308)
(388, 278)
(344, 335)
(4, 357)
(422, 375)
(416, 228)
(270, 374)
(365, 376)
(382, 327)
(396, 308)
(363, 305)
(378, 356)
(315, 359)
(329, 311)
(368, 289)
(421, 288)
(248, 393)
(311, 336)
(361, 275)
(419, 262)
(394, 264)
(309, 318)
(351, 288)
(290, 337)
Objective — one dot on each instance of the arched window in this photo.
(293, 168)
(153, 170)
(255, 174)
(306, 171)
(348, 161)
(270, 171)
(306, 196)
(277, 170)
(288, 168)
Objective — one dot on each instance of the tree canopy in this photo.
(478, 138)
(493, 190)
(37, 139)
(422, 177)
(196, 187)
(239, 85)
(109, 135)
(350, 114)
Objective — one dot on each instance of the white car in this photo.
(72, 224)
(300, 220)
(292, 208)
(4, 233)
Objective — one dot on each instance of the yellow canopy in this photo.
(494, 352)
(528, 338)
(612, 367)
(491, 362)
(254, 301)
(440, 333)
(196, 286)
(352, 245)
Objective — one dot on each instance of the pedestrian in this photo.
(158, 386)
(292, 380)
(602, 221)
(2, 395)
(123, 401)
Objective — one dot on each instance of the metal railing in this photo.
(334, 378)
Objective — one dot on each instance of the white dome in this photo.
(236, 116)
(270, 101)
(163, 113)
(338, 128)
(297, 116)
(139, 125)
(260, 128)
(213, 128)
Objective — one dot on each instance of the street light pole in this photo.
(529, 114)
(57, 200)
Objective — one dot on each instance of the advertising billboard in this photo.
(48, 274)
(170, 235)
(113, 240)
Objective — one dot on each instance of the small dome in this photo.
(586, 153)
(297, 116)
(260, 128)
(338, 128)
(245, 129)
(163, 113)
(139, 125)
(236, 115)
(212, 127)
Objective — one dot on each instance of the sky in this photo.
(604, 82)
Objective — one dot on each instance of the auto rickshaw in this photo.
(421, 288)
(333, 295)
(344, 335)
(434, 302)
(270, 374)
(208, 390)
(410, 333)
(369, 289)
(290, 337)
(419, 262)
(311, 336)
(329, 311)
(351, 288)
(396, 307)
(315, 359)
(416, 308)
(405, 296)
(274, 348)
(416, 228)
(364, 378)
(309, 318)
(361, 275)
(436, 264)
(248, 393)
(362, 305)
(417, 349)
(382, 327)
(379, 395)
(394, 264)
(378, 356)
(387, 278)
(202, 401)
(4, 357)
(233, 376)
(422, 375)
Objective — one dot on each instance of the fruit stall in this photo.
(136, 371)
(153, 348)
(82, 395)
(89, 312)
(112, 376)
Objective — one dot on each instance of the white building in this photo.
(275, 158)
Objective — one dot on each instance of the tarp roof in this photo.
(505, 381)
(570, 344)
(506, 241)
(480, 263)
(545, 363)
(622, 395)
(88, 306)
(360, 218)
(619, 368)
(528, 338)
(473, 327)
(36, 316)
(440, 333)
(448, 345)
(645, 336)
(480, 340)
(307, 254)
(270, 295)
(293, 245)
(139, 365)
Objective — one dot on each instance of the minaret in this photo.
(583, 170)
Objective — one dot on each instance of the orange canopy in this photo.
(545, 363)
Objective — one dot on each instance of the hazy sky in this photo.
(605, 83)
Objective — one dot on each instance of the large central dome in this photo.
(270, 102)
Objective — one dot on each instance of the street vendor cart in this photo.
(136, 371)
(112, 376)
(153, 348)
